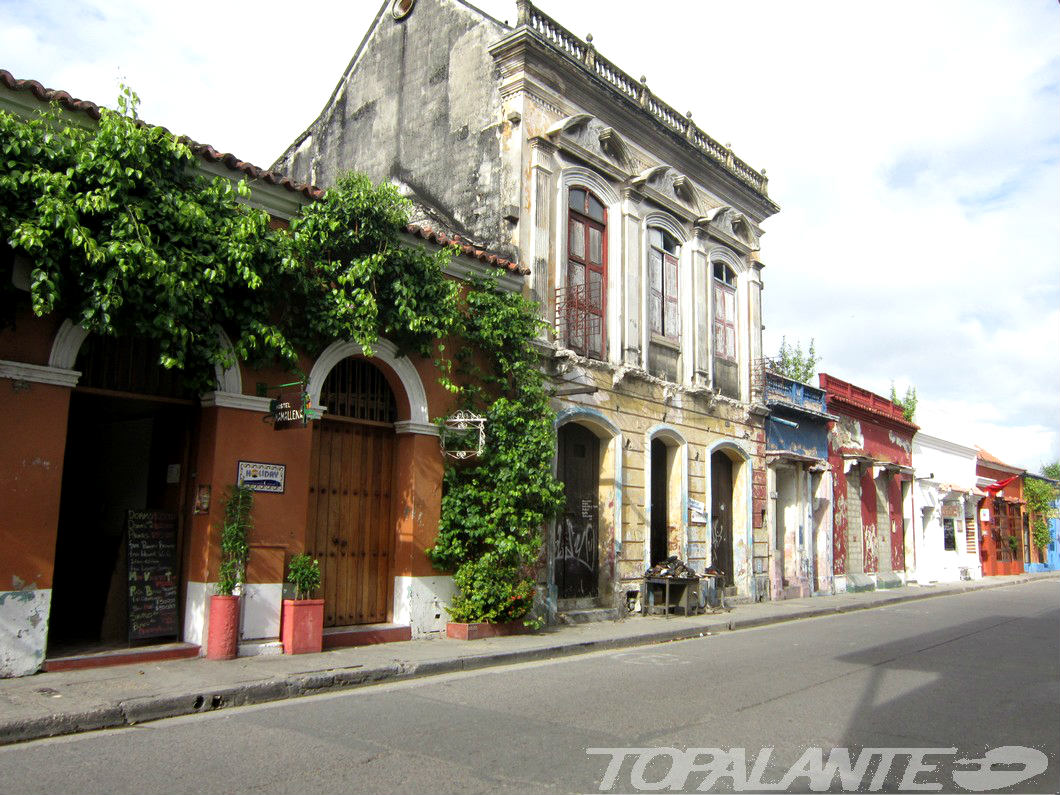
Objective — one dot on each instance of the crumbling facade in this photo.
(870, 451)
(642, 237)
(799, 482)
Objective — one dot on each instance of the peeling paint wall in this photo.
(23, 630)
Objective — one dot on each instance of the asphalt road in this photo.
(970, 672)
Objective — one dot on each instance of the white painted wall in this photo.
(419, 602)
(23, 630)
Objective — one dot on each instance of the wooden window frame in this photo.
(582, 217)
(721, 287)
(667, 259)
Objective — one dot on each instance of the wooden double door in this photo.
(351, 531)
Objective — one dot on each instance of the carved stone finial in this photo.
(589, 37)
(644, 79)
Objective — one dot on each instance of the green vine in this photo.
(1040, 496)
(126, 235)
(494, 509)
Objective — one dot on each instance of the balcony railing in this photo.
(774, 388)
(584, 53)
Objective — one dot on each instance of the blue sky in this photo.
(914, 149)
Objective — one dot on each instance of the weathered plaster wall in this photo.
(418, 106)
(23, 630)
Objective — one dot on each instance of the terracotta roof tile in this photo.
(229, 160)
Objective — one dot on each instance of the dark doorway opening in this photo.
(721, 516)
(659, 503)
(577, 558)
(122, 454)
(128, 443)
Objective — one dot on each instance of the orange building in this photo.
(110, 468)
(1001, 515)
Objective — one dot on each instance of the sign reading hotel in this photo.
(258, 476)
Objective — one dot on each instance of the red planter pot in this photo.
(302, 626)
(481, 629)
(222, 639)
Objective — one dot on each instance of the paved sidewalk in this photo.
(66, 702)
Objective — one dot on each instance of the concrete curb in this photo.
(134, 711)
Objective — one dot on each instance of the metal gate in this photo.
(578, 528)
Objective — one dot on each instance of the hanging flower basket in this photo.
(463, 435)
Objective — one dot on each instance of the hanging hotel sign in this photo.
(291, 410)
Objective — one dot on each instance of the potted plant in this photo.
(302, 624)
(222, 642)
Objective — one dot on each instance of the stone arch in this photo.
(609, 502)
(674, 484)
(411, 396)
(71, 336)
(742, 509)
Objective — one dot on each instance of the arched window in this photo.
(663, 251)
(726, 375)
(586, 288)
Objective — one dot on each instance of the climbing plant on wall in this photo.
(493, 510)
(123, 233)
(1040, 496)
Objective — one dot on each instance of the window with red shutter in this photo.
(586, 289)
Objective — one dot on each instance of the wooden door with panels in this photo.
(351, 530)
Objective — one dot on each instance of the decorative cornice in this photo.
(231, 400)
(411, 426)
(56, 376)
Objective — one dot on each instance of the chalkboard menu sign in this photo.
(152, 557)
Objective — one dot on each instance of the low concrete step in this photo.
(589, 615)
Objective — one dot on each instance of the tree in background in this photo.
(908, 403)
(1040, 496)
(792, 363)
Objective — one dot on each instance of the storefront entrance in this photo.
(127, 450)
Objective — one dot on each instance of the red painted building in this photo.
(870, 452)
(1001, 515)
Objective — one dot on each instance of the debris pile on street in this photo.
(672, 568)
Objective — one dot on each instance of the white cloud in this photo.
(913, 147)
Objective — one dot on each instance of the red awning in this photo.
(995, 488)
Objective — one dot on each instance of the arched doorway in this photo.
(577, 561)
(129, 437)
(721, 512)
(350, 528)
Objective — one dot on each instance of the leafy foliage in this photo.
(303, 572)
(493, 509)
(792, 363)
(1041, 496)
(235, 549)
(908, 403)
(127, 236)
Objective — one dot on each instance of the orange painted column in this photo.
(32, 445)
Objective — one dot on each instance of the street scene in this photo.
(915, 675)
(454, 441)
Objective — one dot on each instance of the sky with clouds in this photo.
(914, 149)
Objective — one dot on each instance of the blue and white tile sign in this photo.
(262, 477)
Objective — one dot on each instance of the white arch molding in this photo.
(386, 352)
(71, 336)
